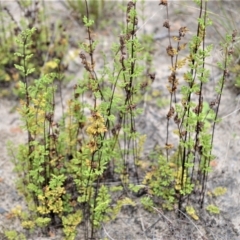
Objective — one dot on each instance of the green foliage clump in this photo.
(160, 182)
(70, 223)
(147, 203)
(218, 191)
(62, 164)
(191, 212)
(119, 204)
(47, 43)
(213, 209)
(14, 235)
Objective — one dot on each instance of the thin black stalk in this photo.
(207, 163)
(200, 101)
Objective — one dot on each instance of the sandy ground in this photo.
(135, 223)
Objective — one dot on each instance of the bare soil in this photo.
(135, 222)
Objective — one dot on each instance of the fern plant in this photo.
(47, 43)
(66, 164)
(63, 165)
(193, 154)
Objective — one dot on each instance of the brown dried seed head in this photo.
(198, 109)
(172, 78)
(226, 73)
(166, 24)
(234, 34)
(230, 51)
(214, 102)
(177, 119)
(144, 84)
(170, 112)
(82, 56)
(182, 31)
(76, 95)
(163, 2)
(199, 126)
(170, 51)
(174, 88)
(183, 133)
(130, 5)
(152, 76)
(122, 39)
(131, 106)
(176, 38)
(135, 21)
(168, 146)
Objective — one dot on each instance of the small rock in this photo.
(2, 210)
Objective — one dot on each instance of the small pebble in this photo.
(2, 210)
